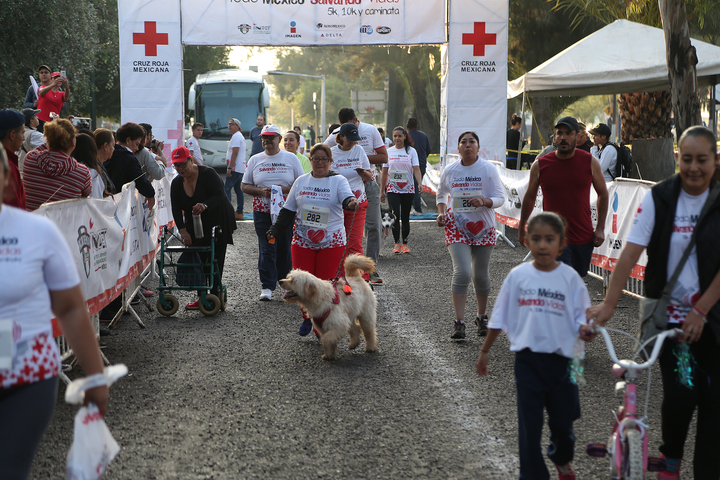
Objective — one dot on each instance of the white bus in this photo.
(219, 95)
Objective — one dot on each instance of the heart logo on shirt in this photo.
(475, 227)
(401, 185)
(316, 236)
(357, 193)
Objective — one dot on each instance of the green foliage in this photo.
(703, 15)
(60, 33)
(416, 70)
(536, 34)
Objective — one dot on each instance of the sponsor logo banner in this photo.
(151, 67)
(474, 77)
(115, 238)
(313, 22)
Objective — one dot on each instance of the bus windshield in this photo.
(218, 103)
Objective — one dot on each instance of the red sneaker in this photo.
(193, 306)
(565, 472)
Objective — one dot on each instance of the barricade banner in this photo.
(474, 77)
(313, 22)
(151, 73)
(625, 197)
(112, 239)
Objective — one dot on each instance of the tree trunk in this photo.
(422, 112)
(681, 62)
(645, 115)
(654, 159)
(542, 112)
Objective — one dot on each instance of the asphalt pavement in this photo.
(242, 396)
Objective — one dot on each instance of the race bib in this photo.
(316, 217)
(6, 344)
(399, 176)
(461, 201)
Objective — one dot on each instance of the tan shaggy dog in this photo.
(335, 314)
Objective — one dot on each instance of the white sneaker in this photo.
(266, 295)
(415, 213)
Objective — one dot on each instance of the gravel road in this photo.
(241, 395)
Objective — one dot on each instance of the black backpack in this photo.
(623, 166)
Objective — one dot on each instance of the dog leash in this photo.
(347, 289)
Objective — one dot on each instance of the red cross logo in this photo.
(151, 39)
(479, 39)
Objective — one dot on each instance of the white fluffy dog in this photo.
(333, 312)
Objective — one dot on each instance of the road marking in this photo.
(462, 404)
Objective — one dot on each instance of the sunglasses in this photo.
(321, 159)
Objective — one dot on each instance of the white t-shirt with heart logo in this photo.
(458, 184)
(400, 169)
(345, 164)
(317, 202)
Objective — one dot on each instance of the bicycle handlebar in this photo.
(659, 339)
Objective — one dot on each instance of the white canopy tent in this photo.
(622, 57)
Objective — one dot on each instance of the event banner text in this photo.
(313, 22)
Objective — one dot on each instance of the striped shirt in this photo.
(50, 175)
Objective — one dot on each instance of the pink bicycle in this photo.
(628, 446)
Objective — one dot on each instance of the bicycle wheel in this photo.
(632, 468)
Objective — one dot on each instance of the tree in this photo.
(537, 33)
(681, 62)
(416, 69)
(701, 18)
(33, 33)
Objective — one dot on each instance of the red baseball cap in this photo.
(180, 155)
(55, 74)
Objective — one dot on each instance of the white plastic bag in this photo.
(93, 446)
(277, 201)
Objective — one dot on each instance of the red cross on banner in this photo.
(150, 38)
(479, 39)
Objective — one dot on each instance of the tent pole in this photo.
(711, 108)
(518, 162)
(616, 118)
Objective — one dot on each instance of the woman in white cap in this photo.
(272, 166)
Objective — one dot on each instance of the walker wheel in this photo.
(214, 303)
(223, 299)
(174, 305)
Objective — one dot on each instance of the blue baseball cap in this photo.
(10, 119)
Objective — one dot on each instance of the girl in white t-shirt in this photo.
(541, 307)
(315, 206)
(397, 181)
(350, 161)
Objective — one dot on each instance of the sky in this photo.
(263, 58)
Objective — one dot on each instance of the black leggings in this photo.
(401, 203)
(25, 414)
